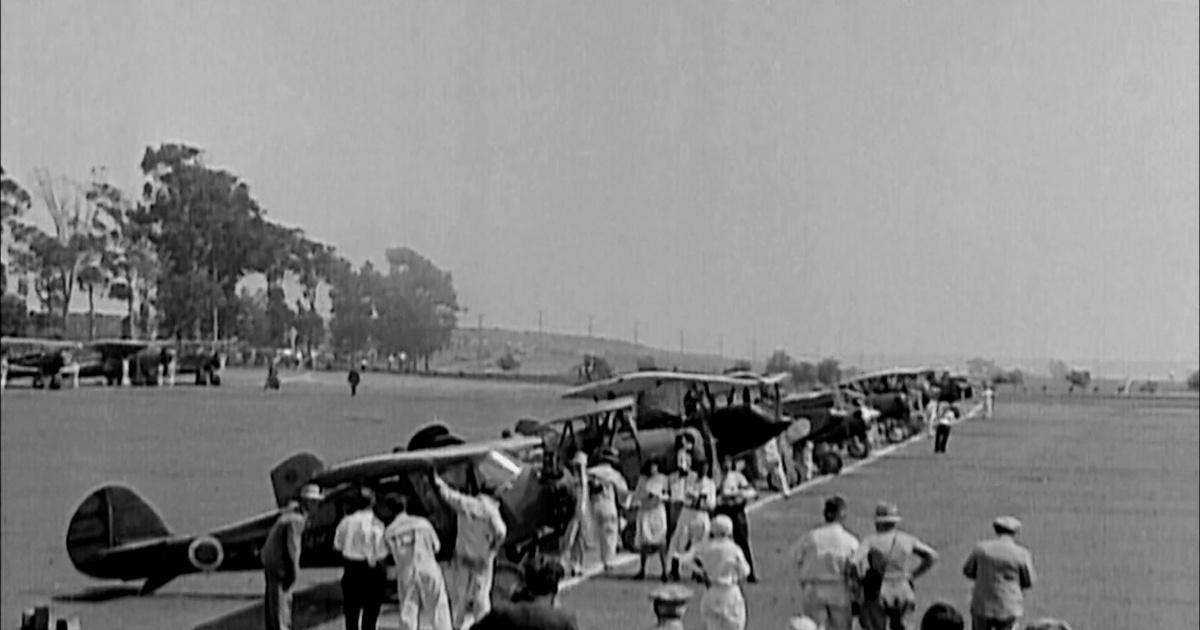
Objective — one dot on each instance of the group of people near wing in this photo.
(695, 527)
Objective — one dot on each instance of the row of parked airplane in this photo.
(116, 534)
(47, 362)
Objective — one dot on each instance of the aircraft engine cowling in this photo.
(206, 553)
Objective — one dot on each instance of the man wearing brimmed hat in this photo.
(280, 556)
(607, 490)
(884, 560)
(1002, 570)
(821, 558)
(670, 604)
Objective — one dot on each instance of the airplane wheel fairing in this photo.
(206, 553)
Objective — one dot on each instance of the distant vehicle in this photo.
(115, 534)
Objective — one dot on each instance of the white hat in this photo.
(722, 526)
(310, 492)
(802, 623)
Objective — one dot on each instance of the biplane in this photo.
(47, 361)
(115, 534)
(666, 404)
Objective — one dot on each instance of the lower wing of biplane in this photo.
(116, 534)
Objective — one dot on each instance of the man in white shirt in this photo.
(359, 538)
(700, 498)
(481, 534)
(420, 587)
(734, 493)
(821, 558)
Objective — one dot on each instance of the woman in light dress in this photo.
(651, 497)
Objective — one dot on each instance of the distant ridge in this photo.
(560, 353)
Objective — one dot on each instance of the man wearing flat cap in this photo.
(1002, 570)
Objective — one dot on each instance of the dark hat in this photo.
(887, 513)
(670, 600)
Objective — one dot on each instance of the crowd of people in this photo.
(696, 528)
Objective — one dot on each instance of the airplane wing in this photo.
(391, 464)
(38, 344)
(638, 382)
(118, 348)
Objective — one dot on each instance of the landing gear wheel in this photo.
(896, 434)
(829, 463)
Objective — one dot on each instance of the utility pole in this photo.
(539, 326)
(635, 332)
(479, 350)
(753, 350)
(681, 344)
(590, 318)
(721, 346)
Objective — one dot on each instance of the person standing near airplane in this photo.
(650, 497)
(677, 488)
(723, 566)
(420, 586)
(989, 397)
(735, 492)
(359, 538)
(607, 491)
(700, 497)
(941, 428)
(575, 542)
(280, 556)
(481, 534)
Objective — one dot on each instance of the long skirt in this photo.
(723, 608)
(651, 527)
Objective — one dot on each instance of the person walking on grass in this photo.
(1001, 571)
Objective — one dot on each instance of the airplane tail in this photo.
(109, 517)
(292, 473)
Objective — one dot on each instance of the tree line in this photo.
(176, 253)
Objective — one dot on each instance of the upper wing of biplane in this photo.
(638, 382)
(374, 467)
(34, 344)
(119, 348)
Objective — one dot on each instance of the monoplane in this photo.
(116, 534)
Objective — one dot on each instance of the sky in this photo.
(974, 178)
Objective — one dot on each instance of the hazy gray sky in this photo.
(1003, 178)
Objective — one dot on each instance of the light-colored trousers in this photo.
(828, 605)
(471, 590)
(723, 608)
(277, 605)
(606, 527)
(423, 602)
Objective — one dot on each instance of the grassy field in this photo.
(1107, 488)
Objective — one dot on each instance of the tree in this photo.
(128, 264)
(208, 232)
(14, 316)
(779, 361)
(1078, 379)
(352, 296)
(314, 263)
(14, 202)
(80, 235)
(1193, 381)
(804, 373)
(829, 371)
(416, 305)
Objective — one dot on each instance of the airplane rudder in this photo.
(289, 475)
(110, 516)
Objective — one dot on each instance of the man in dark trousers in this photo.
(359, 538)
(732, 496)
(280, 556)
(354, 379)
(534, 606)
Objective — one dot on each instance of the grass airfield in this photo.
(1108, 489)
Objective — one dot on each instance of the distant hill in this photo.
(473, 351)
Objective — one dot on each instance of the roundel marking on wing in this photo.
(205, 553)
